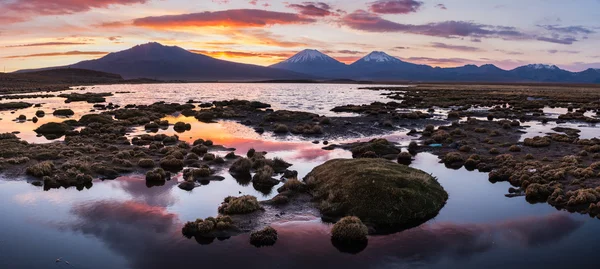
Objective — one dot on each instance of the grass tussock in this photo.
(41, 169)
(239, 205)
(349, 230)
(264, 237)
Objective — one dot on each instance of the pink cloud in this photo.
(60, 7)
(226, 18)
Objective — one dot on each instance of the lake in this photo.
(123, 223)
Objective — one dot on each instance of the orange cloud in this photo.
(348, 59)
(243, 54)
(47, 44)
(49, 54)
(225, 18)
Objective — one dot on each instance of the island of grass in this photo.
(386, 196)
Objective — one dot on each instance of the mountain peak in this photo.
(543, 66)
(309, 55)
(380, 57)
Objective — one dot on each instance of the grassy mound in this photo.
(239, 205)
(264, 237)
(381, 193)
(349, 230)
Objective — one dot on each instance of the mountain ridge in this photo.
(155, 61)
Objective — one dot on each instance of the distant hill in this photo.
(54, 79)
(155, 61)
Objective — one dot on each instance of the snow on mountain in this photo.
(380, 57)
(309, 55)
(543, 66)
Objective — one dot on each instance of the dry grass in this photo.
(239, 205)
(349, 230)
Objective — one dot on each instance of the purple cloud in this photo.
(312, 9)
(395, 6)
(365, 21)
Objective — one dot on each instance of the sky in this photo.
(446, 33)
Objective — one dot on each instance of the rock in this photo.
(381, 147)
(63, 112)
(52, 130)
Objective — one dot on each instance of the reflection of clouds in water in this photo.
(32, 197)
(155, 196)
(150, 237)
(311, 154)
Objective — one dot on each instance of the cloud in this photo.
(243, 54)
(395, 6)
(312, 9)
(439, 61)
(47, 44)
(558, 40)
(510, 52)
(439, 45)
(441, 6)
(563, 51)
(225, 18)
(365, 21)
(61, 7)
(567, 29)
(50, 54)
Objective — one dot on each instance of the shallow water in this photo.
(125, 224)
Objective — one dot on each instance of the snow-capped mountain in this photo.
(380, 65)
(379, 57)
(310, 55)
(312, 62)
(542, 66)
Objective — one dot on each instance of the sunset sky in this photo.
(508, 33)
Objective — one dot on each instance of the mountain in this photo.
(54, 79)
(313, 62)
(155, 61)
(380, 65)
(542, 73)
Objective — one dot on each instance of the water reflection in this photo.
(150, 237)
(126, 224)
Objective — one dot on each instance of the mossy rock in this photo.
(63, 112)
(383, 194)
(92, 118)
(381, 148)
(53, 129)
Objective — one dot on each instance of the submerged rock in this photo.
(381, 193)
